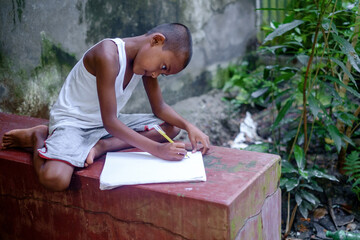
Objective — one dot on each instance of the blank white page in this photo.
(130, 168)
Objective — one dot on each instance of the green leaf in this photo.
(287, 167)
(348, 49)
(291, 183)
(282, 113)
(299, 157)
(326, 25)
(274, 48)
(330, 89)
(346, 118)
(308, 186)
(299, 44)
(283, 181)
(283, 28)
(259, 92)
(354, 156)
(314, 105)
(344, 68)
(316, 186)
(303, 210)
(264, 148)
(282, 93)
(319, 174)
(350, 178)
(352, 91)
(336, 136)
(310, 197)
(236, 79)
(298, 199)
(356, 183)
(304, 174)
(348, 140)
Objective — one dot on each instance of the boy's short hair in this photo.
(177, 39)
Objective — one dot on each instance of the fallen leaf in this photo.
(351, 227)
(302, 228)
(305, 219)
(320, 213)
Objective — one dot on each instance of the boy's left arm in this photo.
(167, 114)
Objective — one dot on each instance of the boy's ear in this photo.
(157, 39)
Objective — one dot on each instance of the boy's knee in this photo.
(54, 179)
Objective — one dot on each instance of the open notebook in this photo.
(130, 168)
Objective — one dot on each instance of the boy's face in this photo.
(152, 61)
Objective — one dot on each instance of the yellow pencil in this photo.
(159, 129)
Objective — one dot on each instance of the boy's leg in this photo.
(115, 144)
(23, 138)
(53, 175)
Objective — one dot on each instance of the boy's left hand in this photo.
(197, 136)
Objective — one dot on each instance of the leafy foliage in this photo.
(323, 47)
(248, 86)
(314, 93)
(302, 181)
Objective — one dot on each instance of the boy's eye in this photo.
(163, 67)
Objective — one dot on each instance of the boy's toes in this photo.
(90, 158)
(5, 144)
(89, 161)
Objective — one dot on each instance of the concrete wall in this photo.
(221, 32)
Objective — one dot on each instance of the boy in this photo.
(87, 109)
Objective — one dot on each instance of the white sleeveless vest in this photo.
(78, 104)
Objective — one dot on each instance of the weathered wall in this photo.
(35, 34)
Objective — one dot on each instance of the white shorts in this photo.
(72, 145)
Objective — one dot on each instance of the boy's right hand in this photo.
(171, 151)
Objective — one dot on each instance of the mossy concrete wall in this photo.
(41, 40)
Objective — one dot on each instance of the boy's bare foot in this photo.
(103, 146)
(95, 152)
(90, 158)
(23, 137)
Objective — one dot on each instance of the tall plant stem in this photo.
(289, 221)
(326, 45)
(296, 137)
(306, 80)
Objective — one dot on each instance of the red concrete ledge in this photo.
(239, 200)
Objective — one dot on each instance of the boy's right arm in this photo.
(106, 68)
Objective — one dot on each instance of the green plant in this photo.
(301, 182)
(325, 94)
(243, 86)
(313, 90)
(335, 56)
(352, 169)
